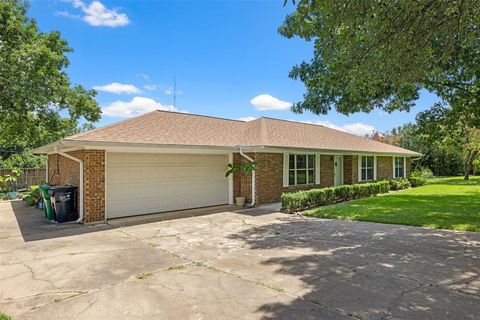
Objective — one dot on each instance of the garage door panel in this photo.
(147, 183)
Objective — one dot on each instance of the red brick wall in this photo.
(68, 173)
(350, 169)
(327, 171)
(408, 165)
(269, 177)
(94, 185)
(384, 167)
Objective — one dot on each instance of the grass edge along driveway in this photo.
(444, 203)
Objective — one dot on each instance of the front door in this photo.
(338, 163)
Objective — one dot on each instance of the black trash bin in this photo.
(63, 201)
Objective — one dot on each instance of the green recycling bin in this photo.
(47, 202)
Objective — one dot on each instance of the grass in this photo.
(444, 203)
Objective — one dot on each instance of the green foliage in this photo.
(399, 184)
(380, 54)
(38, 103)
(446, 203)
(7, 182)
(23, 160)
(423, 172)
(32, 196)
(239, 167)
(4, 316)
(301, 200)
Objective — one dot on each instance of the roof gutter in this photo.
(80, 192)
(240, 149)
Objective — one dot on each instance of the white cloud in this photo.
(357, 128)
(151, 87)
(118, 88)
(265, 102)
(247, 118)
(96, 14)
(135, 107)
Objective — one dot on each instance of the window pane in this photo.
(364, 174)
(370, 174)
(291, 177)
(301, 161)
(302, 177)
(370, 162)
(291, 161)
(311, 176)
(311, 161)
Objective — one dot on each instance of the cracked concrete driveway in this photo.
(234, 265)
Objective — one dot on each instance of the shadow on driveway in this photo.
(33, 226)
(372, 271)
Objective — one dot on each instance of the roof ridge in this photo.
(200, 115)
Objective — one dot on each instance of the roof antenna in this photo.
(175, 92)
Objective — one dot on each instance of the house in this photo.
(165, 161)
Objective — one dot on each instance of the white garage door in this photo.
(148, 183)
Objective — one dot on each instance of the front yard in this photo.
(444, 203)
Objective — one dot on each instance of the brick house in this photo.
(164, 161)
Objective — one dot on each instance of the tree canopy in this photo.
(379, 54)
(38, 102)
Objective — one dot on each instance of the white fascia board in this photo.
(333, 152)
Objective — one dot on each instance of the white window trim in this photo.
(404, 166)
(307, 168)
(317, 168)
(360, 167)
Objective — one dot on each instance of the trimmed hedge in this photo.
(301, 200)
(399, 184)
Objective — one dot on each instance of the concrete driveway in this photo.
(234, 265)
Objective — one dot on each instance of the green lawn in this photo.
(444, 203)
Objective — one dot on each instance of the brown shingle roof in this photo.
(171, 128)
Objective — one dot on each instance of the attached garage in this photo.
(148, 183)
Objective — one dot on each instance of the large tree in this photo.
(379, 54)
(38, 103)
(451, 128)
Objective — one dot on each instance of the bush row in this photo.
(301, 200)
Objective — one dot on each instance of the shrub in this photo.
(416, 181)
(423, 172)
(301, 200)
(399, 184)
(32, 196)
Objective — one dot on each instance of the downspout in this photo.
(240, 149)
(80, 192)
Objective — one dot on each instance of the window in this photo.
(301, 169)
(367, 168)
(399, 167)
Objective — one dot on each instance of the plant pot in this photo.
(12, 195)
(240, 201)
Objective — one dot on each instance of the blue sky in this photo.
(227, 58)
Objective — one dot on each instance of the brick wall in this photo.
(384, 167)
(408, 165)
(94, 185)
(327, 171)
(350, 169)
(64, 171)
(269, 177)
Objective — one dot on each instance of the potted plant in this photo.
(239, 167)
(9, 183)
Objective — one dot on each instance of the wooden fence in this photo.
(29, 177)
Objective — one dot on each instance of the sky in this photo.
(226, 58)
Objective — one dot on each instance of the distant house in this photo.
(164, 161)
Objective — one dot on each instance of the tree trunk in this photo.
(472, 155)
